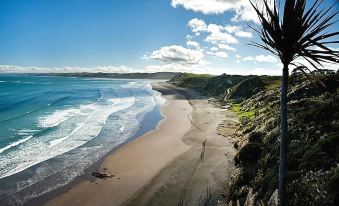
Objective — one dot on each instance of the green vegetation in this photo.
(218, 86)
(193, 81)
(272, 83)
(303, 29)
(252, 85)
(236, 108)
(224, 87)
(246, 115)
(313, 140)
(243, 115)
(313, 144)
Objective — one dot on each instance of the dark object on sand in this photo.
(101, 175)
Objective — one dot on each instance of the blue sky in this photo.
(202, 36)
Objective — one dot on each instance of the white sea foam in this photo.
(57, 141)
(80, 125)
(15, 144)
(25, 132)
(122, 128)
(95, 117)
(158, 98)
(127, 108)
(57, 117)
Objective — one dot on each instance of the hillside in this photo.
(196, 82)
(216, 86)
(313, 145)
(252, 85)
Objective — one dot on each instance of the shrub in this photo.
(255, 137)
(249, 154)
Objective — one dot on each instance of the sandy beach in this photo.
(183, 162)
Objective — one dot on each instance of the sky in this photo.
(200, 36)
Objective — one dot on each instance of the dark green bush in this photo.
(249, 154)
(313, 145)
(255, 137)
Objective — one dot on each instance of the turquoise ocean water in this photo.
(53, 128)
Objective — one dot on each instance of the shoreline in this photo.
(86, 176)
(145, 165)
(200, 176)
(128, 162)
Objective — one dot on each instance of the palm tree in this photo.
(299, 31)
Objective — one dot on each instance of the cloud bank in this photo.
(218, 34)
(242, 8)
(178, 55)
(261, 58)
(67, 69)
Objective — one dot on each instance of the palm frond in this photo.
(302, 31)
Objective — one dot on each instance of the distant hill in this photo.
(157, 75)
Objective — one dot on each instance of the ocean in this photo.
(53, 128)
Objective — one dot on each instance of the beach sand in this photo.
(183, 162)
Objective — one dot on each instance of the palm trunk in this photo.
(283, 137)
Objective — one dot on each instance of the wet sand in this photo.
(183, 162)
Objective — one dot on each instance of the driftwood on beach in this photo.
(101, 175)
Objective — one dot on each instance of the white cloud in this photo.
(264, 71)
(197, 25)
(217, 35)
(66, 69)
(226, 47)
(334, 49)
(238, 58)
(240, 70)
(242, 8)
(214, 49)
(218, 54)
(206, 6)
(238, 31)
(193, 44)
(245, 12)
(329, 66)
(189, 37)
(168, 68)
(178, 54)
(262, 58)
